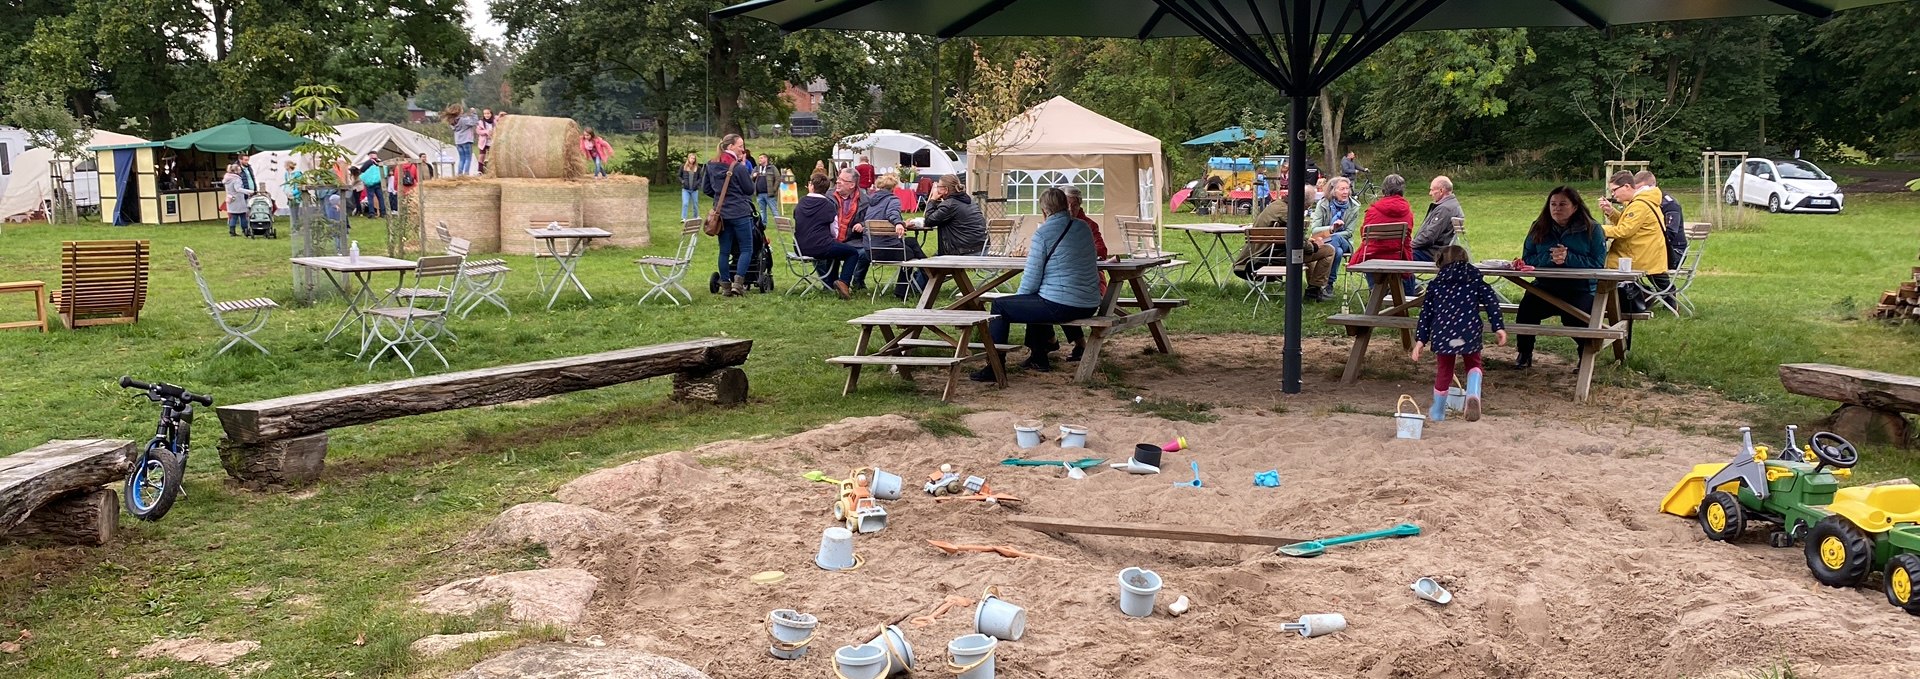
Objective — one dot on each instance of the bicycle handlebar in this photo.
(166, 391)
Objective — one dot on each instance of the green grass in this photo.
(307, 573)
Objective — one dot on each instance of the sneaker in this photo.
(1078, 350)
(981, 375)
(1523, 363)
(1038, 364)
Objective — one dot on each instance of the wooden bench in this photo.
(900, 331)
(102, 282)
(57, 492)
(1583, 380)
(38, 290)
(1872, 403)
(283, 441)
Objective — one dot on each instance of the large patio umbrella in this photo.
(1298, 46)
(235, 137)
(1224, 136)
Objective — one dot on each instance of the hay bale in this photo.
(618, 204)
(524, 201)
(470, 207)
(536, 147)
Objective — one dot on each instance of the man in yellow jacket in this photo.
(1636, 229)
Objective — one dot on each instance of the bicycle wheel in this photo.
(154, 483)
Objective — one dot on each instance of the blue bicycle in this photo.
(154, 483)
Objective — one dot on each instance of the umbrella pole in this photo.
(1296, 230)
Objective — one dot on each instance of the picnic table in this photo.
(577, 240)
(1215, 250)
(901, 331)
(1109, 318)
(1604, 324)
(345, 273)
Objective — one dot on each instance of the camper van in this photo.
(889, 150)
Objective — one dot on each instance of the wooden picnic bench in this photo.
(102, 282)
(283, 441)
(57, 492)
(901, 331)
(1872, 403)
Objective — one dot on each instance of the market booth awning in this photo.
(1298, 46)
(1226, 136)
(239, 136)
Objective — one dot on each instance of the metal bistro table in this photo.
(1604, 323)
(1218, 249)
(343, 272)
(578, 238)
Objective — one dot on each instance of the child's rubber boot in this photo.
(1438, 411)
(1473, 395)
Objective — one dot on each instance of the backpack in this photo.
(1675, 229)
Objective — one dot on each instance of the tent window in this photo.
(6, 161)
(1024, 187)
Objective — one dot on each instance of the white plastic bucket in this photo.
(836, 549)
(1138, 589)
(1317, 624)
(865, 661)
(899, 652)
(885, 486)
(1073, 436)
(1456, 399)
(971, 656)
(1408, 424)
(1027, 434)
(999, 619)
(791, 631)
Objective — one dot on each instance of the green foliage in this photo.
(313, 112)
(1420, 89)
(50, 125)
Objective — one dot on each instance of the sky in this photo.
(481, 24)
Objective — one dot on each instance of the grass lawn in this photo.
(321, 577)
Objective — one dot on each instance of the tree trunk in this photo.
(83, 517)
(660, 117)
(723, 387)
(1331, 120)
(286, 462)
(723, 58)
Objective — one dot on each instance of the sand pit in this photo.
(1540, 518)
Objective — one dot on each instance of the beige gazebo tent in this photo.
(1120, 170)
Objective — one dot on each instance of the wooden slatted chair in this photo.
(901, 279)
(1399, 231)
(236, 333)
(422, 319)
(1267, 265)
(663, 274)
(102, 282)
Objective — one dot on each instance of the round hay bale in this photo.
(535, 202)
(469, 206)
(618, 204)
(536, 147)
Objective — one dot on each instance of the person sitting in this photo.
(865, 170)
(1564, 236)
(1637, 231)
(1058, 285)
(1316, 261)
(848, 203)
(923, 191)
(1392, 208)
(1329, 223)
(1075, 208)
(1436, 231)
(813, 227)
(891, 246)
(962, 227)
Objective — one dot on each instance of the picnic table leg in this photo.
(1621, 346)
(935, 278)
(960, 350)
(1146, 307)
(1399, 292)
(1090, 359)
(1361, 337)
(559, 277)
(995, 360)
(1584, 382)
(859, 349)
(574, 254)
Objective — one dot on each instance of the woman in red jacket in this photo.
(1392, 208)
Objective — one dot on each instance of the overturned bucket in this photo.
(791, 631)
(884, 485)
(1138, 589)
(899, 652)
(1073, 436)
(1027, 433)
(865, 661)
(836, 549)
(997, 618)
(1408, 424)
(971, 656)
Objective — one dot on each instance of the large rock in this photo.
(559, 661)
(198, 650)
(571, 533)
(439, 644)
(631, 483)
(555, 596)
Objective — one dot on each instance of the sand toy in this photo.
(1002, 550)
(1318, 547)
(855, 507)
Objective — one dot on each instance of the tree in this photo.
(1625, 115)
(1421, 87)
(50, 125)
(1851, 80)
(999, 104)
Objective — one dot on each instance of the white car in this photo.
(1783, 186)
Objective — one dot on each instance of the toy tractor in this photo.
(1846, 533)
(855, 505)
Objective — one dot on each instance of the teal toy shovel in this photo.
(1318, 547)
(1082, 463)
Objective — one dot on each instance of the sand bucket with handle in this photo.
(791, 631)
(899, 652)
(1408, 423)
(1138, 588)
(971, 656)
(1073, 436)
(865, 661)
(1457, 396)
(1027, 433)
(997, 618)
(885, 486)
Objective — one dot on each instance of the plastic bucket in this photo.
(1427, 588)
(865, 661)
(1456, 399)
(1027, 434)
(1147, 454)
(1073, 436)
(1317, 624)
(899, 652)
(1138, 588)
(971, 656)
(1408, 424)
(836, 549)
(885, 486)
(999, 619)
(791, 631)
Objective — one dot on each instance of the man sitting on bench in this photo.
(1061, 283)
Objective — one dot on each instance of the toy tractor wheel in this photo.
(1903, 582)
(839, 512)
(1838, 552)
(1721, 517)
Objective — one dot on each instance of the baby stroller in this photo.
(760, 271)
(260, 216)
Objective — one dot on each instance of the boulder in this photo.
(628, 484)
(197, 650)
(571, 533)
(438, 644)
(560, 661)
(555, 596)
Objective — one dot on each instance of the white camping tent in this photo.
(1058, 143)
(890, 150)
(391, 141)
(32, 184)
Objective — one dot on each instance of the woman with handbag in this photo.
(1061, 283)
(730, 182)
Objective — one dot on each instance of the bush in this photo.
(637, 158)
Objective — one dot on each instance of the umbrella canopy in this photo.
(235, 137)
(1298, 46)
(1226, 136)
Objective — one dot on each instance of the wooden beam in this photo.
(34, 477)
(285, 462)
(1154, 531)
(1877, 390)
(723, 387)
(83, 517)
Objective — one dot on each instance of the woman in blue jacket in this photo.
(1565, 236)
(1061, 283)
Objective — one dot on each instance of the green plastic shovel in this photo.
(1318, 547)
(1083, 463)
(819, 476)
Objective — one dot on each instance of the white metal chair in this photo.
(1673, 297)
(663, 274)
(423, 319)
(889, 258)
(1266, 266)
(806, 278)
(481, 279)
(259, 307)
(1143, 241)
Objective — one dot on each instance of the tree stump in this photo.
(82, 517)
(285, 462)
(1868, 426)
(722, 387)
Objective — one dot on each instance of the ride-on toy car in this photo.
(1846, 533)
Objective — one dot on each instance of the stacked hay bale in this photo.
(617, 204)
(536, 147)
(1901, 304)
(527, 202)
(469, 205)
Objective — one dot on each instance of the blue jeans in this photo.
(599, 168)
(236, 222)
(376, 201)
(689, 204)
(769, 205)
(1039, 315)
(1342, 248)
(859, 265)
(836, 263)
(736, 241)
(466, 157)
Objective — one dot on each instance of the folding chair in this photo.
(1266, 266)
(482, 279)
(1393, 231)
(260, 307)
(663, 274)
(423, 319)
(1680, 277)
(1143, 241)
(902, 277)
(806, 279)
(999, 238)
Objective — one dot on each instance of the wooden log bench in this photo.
(58, 492)
(1872, 403)
(283, 441)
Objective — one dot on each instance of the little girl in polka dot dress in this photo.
(1450, 326)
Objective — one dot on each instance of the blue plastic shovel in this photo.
(1318, 547)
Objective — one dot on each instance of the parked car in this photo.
(1783, 186)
